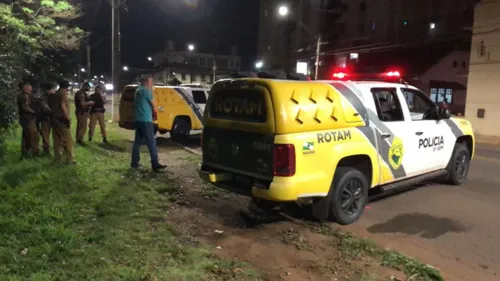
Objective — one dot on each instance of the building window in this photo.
(455, 64)
(440, 94)
(464, 64)
(362, 7)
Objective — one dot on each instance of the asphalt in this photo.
(456, 227)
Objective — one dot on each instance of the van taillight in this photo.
(284, 160)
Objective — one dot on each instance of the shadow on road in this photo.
(424, 225)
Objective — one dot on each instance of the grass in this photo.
(96, 221)
(354, 247)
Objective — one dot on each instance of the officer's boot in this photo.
(90, 138)
(105, 140)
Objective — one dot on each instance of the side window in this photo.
(419, 104)
(199, 97)
(388, 105)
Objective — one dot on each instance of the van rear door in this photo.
(127, 109)
(239, 132)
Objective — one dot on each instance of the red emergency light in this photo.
(393, 74)
(340, 75)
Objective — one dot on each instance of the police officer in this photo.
(43, 115)
(60, 123)
(97, 114)
(29, 142)
(82, 107)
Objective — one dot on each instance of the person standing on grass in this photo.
(97, 114)
(43, 118)
(61, 124)
(82, 107)
(29, 141)
(144, 131)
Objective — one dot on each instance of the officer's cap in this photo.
(47, 86)
(64, 84)
(22, 84)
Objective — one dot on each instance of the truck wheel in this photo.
(348, 195)
(180, 130)
(458, 167)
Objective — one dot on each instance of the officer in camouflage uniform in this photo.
(29, 142)
(82, 108)
(43, 115)
(60, 123)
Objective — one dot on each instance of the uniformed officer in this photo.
(43, 115)
(60, 123)
(97, 114)
(29, 142)
(82, 107)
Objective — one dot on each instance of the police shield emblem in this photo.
(396, 153)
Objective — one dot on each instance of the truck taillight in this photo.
(284, 160)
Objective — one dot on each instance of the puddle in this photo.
(423, 225)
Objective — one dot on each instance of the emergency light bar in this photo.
(389, 75)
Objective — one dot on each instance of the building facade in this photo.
(192, 66)
(483, 100)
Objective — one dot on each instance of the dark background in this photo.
(146, 25)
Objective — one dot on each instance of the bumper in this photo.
(279, 192)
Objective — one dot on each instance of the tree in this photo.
(28, 30)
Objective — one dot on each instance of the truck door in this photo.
(435, 140)
(395, 140)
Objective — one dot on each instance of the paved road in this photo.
(454, 227)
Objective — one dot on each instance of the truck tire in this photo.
(348, 195)
(458, 167)
(180, 130)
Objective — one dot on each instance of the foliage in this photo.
(97, 221)
(28, 29)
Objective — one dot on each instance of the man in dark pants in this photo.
(82, 108)
(29, 141)
(144, 131)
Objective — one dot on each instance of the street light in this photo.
(125, 68)
(102, 76)
(191, 47)
(82, 70)
(283, 11)
(95, 76)
(259, 64)
(150, 58)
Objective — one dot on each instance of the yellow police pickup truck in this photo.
(330, 141)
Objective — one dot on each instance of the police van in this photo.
(179, 109)
(329, 141)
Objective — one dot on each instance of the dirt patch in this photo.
(279, 247)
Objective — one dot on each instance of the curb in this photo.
(192, 151)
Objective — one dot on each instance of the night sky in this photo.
(146, 25)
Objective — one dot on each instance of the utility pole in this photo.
(319, 42)
(115, 51)
(88, 58)
(318, 51)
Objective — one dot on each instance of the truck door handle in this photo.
(419, 133)
(386, 136)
